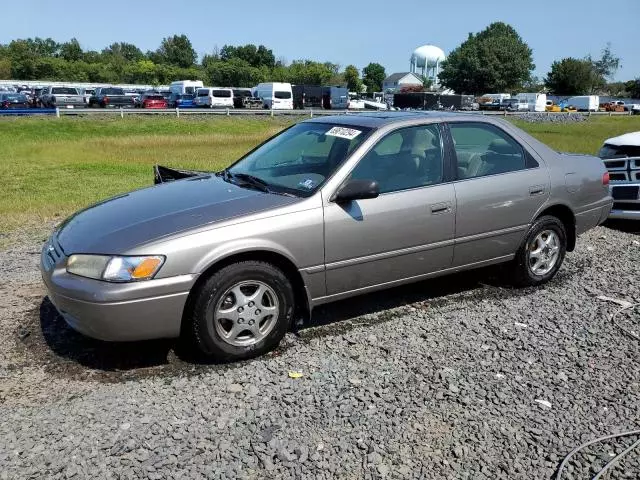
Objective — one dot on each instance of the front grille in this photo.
(618, 176)
(635, 207)
(51, 254)
(618, 164)
(625, 193)
(624, 170)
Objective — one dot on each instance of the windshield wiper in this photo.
(251, 180)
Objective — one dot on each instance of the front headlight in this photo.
(115, 268)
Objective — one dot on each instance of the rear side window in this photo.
(483, 150)
(64, 91)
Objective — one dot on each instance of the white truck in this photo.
(621, 156)
(584, 103)
(537, 102)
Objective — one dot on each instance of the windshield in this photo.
(64, 91)
(221, 93)
(282, 94)
(617, 151)
(112, 91)
(302, 158)
(13, 96)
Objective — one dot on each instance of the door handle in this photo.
(439, 208)
(536, 190)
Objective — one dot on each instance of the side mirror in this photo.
(357, 190)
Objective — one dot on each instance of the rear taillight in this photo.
(106, 99)
(605, 178)
(5, 103)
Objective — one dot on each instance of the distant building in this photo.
(396, 81)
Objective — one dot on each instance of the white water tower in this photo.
(427, 60)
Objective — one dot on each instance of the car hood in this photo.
(123, 222)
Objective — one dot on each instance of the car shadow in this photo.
(73, 349)
(424, 291)
(70, 345)
(627, 226)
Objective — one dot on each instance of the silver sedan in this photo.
(327, 209)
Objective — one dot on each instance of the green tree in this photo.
(234, 72)
(352, 78)
(44, 47)
(308, 72)
(633, 88)
(533, 84)
(22, 58)
(71, 50)
(572, 76)
(607, 65)
(176, 50)
(494, 60)
(5, 68)
(427, 83)
(254, 56)
(373, 76)
(127, 51)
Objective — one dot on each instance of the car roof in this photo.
(380, 119)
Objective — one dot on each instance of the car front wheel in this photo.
(542, 253)
(241, 311)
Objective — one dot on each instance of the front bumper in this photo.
(622, 214)
(116, 311)
(626, 200)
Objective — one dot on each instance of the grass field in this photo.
(51, 167)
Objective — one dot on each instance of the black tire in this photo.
(521, 272)
(199, 330)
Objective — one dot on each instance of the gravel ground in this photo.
(543, 117)
(452, 378)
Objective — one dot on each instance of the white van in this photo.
(537, 101)
(584, 103)
(214, 97)
(184, 87)
(276, 96)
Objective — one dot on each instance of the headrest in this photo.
(503, 147)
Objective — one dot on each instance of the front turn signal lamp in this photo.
(115, 268)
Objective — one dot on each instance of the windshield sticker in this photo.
(308, 184)
(342, 132)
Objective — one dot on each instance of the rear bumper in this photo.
(594, 216)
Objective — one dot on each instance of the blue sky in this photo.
(339, 31)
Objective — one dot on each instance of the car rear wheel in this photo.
(542, 253)
(241, 311)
